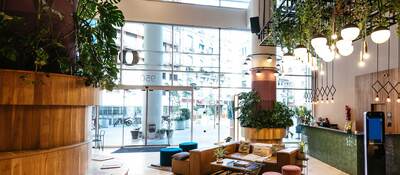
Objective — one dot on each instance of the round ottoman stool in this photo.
(187, 146)
(291, 170)
(166, 155)
(271, 173)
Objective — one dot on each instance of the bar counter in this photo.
(337, 148)
(345, 151)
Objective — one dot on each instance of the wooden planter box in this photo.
(44, 121)
(265, 135)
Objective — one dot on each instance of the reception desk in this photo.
(337, 148)
(345, 151)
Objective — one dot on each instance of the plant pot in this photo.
(170, 133)
(179, 124)
(36, 111)
(187, 123)
(135, 134)
(220, 160)
(264, 135)
(301, 156)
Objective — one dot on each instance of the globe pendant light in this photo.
(318, 41)
(346, 52)
(350, 32)
(380, 35)
(288, 56)
(300, 51)
(343, 44)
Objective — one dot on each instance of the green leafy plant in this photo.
(252, 116)
(220, 152)
(290, 28)
(96, 23)
(40, 44)
(185, 113)
(304, 115)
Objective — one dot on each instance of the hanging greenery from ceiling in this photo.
(295, 22)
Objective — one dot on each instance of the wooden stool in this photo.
(291, 170)
(271, 173)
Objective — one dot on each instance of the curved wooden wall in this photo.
(44, 123)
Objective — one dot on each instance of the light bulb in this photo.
(334, 36)
(269, 60)
(318, 41)
(327, 101)
(377, 98)
(380, 35)
(322, 101)
(316, 102)
(388, 99)
(332, 101)
(398, 99)
(361, 64)
(350, 32)
(366, 55)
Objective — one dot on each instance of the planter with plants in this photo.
(179, 123)
(219, 154)
(170, 133)
(161, 133)
(54, 56)
(185, 114)
(304, 117)
(263, 125)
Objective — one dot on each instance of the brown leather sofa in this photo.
(199, 160)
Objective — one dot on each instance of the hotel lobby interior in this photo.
(199, 87)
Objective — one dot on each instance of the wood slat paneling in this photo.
(29, 88)
(44, 123)
(365, 99)
(41, 127)
(61, 161)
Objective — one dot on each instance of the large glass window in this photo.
(209, 61)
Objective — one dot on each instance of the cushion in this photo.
(181, 156)
(244, 147)
(262, 150)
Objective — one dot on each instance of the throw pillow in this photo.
(262, 150)
(181, 156)
(244, 147)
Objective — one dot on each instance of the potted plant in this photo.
(267, 125)
(301, 155)
(135, 132)
(179, 123)
(185, 114)
(161, 133)
(54, 55)
(170, 133)
(219, 154)
(304, 117)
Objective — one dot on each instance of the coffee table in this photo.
(228, 165)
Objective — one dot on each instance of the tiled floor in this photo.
(139, 163)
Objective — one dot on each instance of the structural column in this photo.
(262, 71)
(153, 58)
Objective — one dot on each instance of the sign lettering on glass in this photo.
(149, 78)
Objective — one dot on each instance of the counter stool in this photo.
(187, 146)
(166, 155)
(271, 173)
(291, 170)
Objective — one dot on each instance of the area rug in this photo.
(139, 149)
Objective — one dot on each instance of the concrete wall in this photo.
(184, 14)
(345, 71)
